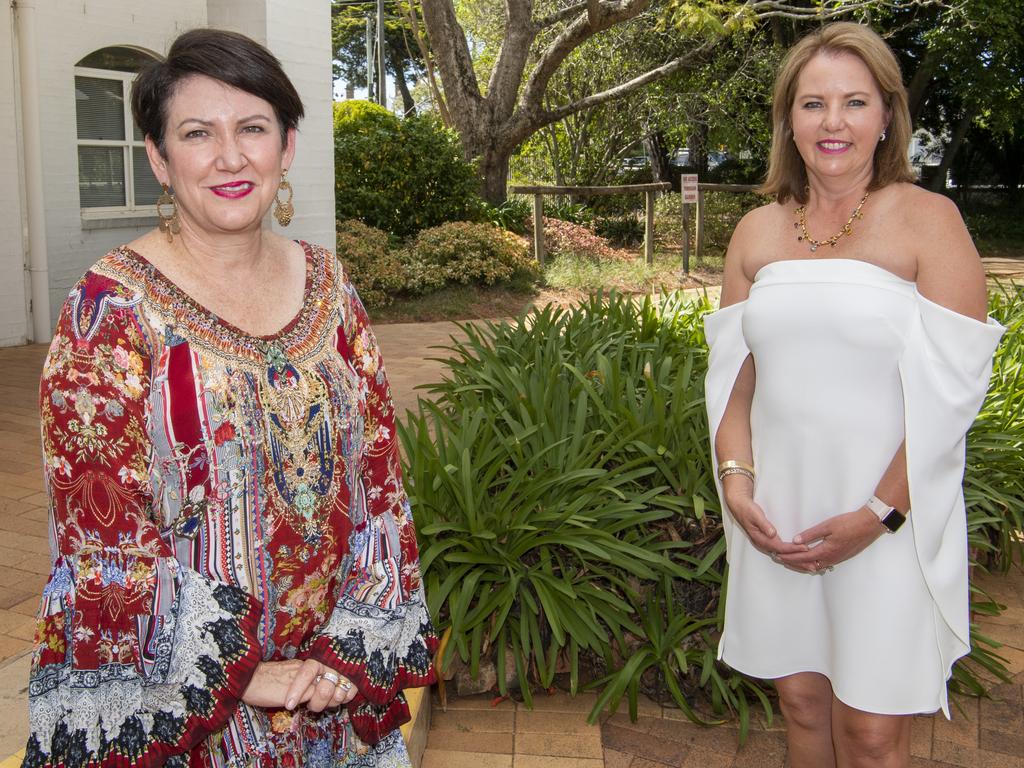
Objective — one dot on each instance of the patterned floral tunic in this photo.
(218, 499)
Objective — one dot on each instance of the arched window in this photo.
(113, 172)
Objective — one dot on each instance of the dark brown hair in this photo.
(787, 175)
(229, 57)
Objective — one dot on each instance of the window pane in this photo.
(100, 176)
(99, 105)
(118, 58)
(147, 189)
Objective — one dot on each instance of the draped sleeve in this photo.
(945, 369)
(379, 634)
(728, 350)
(136, 657)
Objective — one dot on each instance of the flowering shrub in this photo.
(464, 252)
(377, 272)
(563, 238)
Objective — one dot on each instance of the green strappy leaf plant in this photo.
(562, 485)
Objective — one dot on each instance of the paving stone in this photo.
(478, 741)
(921, 729)
(616, 759)
(543, 761)
(1001, 741)
(528, 721)
(559, 745)
(699, 757)
(487, 701)
(473, 721)
(762, 750)
(643, 745)
(620, 720)
(445, 759)
(948, 753)
(642, 762)
(962, 728)
(12, 646)
(560, 701)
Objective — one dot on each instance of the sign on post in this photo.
(689, 186)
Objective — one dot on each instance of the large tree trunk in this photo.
(949, 153)
(408, 105)
(494, 172)
(917, 90)
(654, 144)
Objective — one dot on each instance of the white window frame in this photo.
(129, 210)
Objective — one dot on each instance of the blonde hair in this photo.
(787, 174)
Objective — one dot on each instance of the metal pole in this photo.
(382, 90)
(700, 224)
(371, 66)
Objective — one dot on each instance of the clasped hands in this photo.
(817, 549)
(287, 684)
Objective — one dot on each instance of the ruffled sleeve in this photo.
(137, 658)
(379, 634)
(945, 369)
(728, 350)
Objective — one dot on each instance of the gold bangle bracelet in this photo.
(730, 463)
(723, 473)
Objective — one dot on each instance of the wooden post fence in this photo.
(538, 192)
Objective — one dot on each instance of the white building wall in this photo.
(13, 296)
(68, 30)
(298, 32)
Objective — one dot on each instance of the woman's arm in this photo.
(379, 635)
(137, 657)
(733, 440)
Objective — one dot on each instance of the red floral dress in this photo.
(218, 499)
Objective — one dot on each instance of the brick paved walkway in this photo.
(472, 733)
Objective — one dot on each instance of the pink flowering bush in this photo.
(563, 238)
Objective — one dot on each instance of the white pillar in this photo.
(38, 266)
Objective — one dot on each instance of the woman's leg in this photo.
(806, 700)
(867, 740)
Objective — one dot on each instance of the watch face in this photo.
(894, 520)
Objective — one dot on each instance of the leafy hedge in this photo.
(399, 175)
(563, 494)
(455, 252)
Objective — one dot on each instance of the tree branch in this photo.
(558, 16)
(507, 75)
(449, 42)
(601, 15)
(622, 89)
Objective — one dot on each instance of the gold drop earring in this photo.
(169, 223)
(283, 211)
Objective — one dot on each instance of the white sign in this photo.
(689, 187)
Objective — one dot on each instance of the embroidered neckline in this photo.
(300, 337)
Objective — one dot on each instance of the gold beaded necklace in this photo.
(801, 224)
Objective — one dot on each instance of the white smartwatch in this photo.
(887, 514)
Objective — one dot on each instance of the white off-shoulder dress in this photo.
(851, 360)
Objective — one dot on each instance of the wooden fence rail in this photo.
(538, 193)
(650, 191)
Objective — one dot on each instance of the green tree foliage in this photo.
(399, 175)
(402, 59)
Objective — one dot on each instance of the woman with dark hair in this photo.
(849, 358)
(235, 578)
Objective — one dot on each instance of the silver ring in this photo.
(774, 556)
(332, 676)
(345, 685)
(817, 565)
